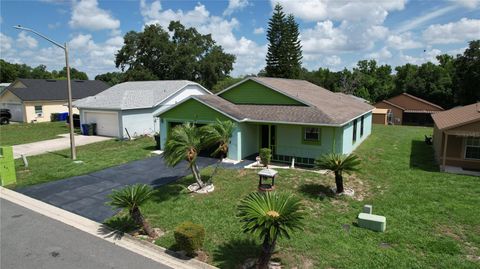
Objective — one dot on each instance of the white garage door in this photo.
(16, 110)
(107, 122)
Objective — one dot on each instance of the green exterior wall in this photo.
(251, 92)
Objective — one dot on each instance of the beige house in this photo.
(34, 100)
(456, 138)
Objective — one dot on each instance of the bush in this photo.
(265, 156)
(189, 237)
(55, 117)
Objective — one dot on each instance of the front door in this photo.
(268, 137)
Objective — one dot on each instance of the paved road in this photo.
(63, 142)
(86, 195)
(33, 241)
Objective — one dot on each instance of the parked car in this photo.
(5, 116)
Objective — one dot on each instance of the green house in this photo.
(294, 118)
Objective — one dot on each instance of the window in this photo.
(354, 136)
(311, 134)
(38, 111)
(361, 127)
(472, 148)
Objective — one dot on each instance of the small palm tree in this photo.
(338, 163)
(184, 143)
(218, 133)
(270, 216)
(131, 198)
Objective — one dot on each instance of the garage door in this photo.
(107, 122)
(16, 110)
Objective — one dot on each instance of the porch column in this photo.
(444, 152)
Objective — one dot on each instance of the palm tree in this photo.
(338, 163)
(218, 133)
(131, 198)
(184, 143)
(270, 216)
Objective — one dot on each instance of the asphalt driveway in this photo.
(86, 195)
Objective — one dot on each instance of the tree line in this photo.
(9, 72)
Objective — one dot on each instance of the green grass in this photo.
(432, 217)
(97, 156)
(15, 134)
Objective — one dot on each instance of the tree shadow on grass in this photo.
(234, 253)
(150, 148)
(314, 191)
(422, 156)
(64, 155)
(115, 227)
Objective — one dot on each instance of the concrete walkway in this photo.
(40, 147)
(38, 235)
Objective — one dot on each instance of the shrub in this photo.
(189, 237)
(265, 156)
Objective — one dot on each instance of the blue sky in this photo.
(334, 34)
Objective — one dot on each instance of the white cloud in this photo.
(250, 55)
(259, 31)
(87, 15)
(333, 60)
(5, 44)
(453, 32)
(467, 3)
(380, 55)
(54, 25)
(27, 41)
(429, 55)
(403, 41)
(418, 21)
(234, 5)
(318, 10)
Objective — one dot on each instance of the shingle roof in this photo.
(51, 89)
(134, 94)
(324, 106)
(457, 116)
(272, 113)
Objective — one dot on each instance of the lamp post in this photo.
(73, 153)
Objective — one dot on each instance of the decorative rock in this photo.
(196, 188)
(372, 222)
(346, 191)
(249, 263)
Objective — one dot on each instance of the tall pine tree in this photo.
(284, 50)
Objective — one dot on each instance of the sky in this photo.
(335, 34)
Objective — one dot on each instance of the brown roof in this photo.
(457, 116)
(274, 113)
(323, 106)
(422, 100)
(410, 103)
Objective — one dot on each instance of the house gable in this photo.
(251, 92)
(193, 110)
(409, 102)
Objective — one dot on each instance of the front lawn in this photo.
(96, 156)
(432, 217)
(15, 134)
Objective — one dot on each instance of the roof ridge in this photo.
(421, 100)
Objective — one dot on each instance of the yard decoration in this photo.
(270, 216)
(338, 163)
(184, 143)
(266, 174)
(265, 156)
(131, 198)
(370, 221)
(218, 133)
(189, 237)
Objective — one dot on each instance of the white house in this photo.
(131, 106)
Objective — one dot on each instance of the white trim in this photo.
(180, 89)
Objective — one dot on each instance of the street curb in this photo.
(141, 247)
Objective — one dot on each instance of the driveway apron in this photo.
(86, 195)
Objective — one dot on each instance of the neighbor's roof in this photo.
(134, 94)
(52, 89)
(457, 116)
(323, 106)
